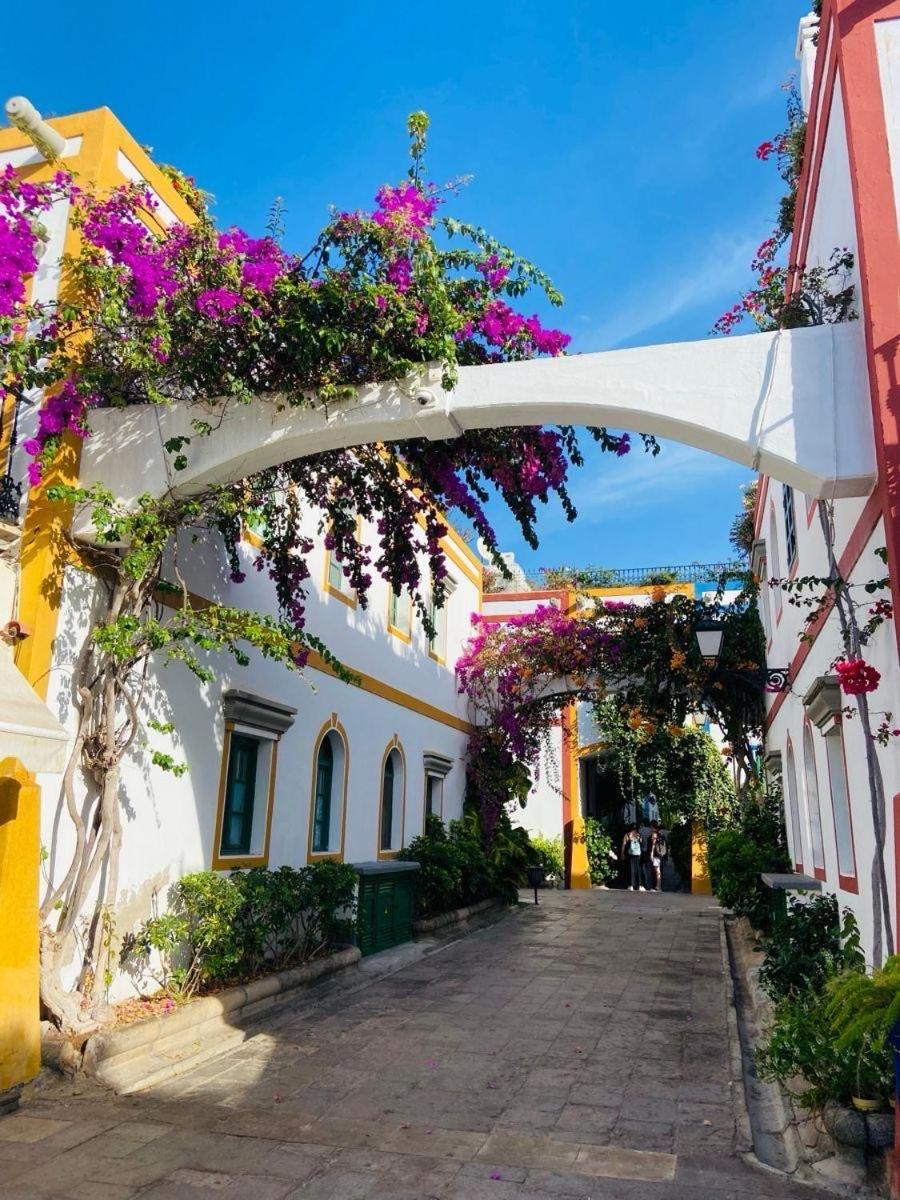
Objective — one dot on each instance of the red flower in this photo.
(856, 676)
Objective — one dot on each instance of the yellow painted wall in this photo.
(42, 562)
(20, 847)
(700, 881)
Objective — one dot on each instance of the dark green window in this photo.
(429, 795)
(240, 793)
(387, 803)
(322, 815)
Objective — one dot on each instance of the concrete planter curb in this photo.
(456, 916)
(134, 1057)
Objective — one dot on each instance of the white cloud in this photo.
(639, 481)
(651, 302)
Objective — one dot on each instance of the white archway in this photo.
(792, 404)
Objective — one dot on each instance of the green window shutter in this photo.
(387, 803)
(429, 795)
(322, 814)
(240, 794)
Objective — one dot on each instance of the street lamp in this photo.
(710, 633)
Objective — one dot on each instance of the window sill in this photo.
(238, 862)
(441, 662)
(350, 600)
(384, 855)
(315, 856)
(398, 633)
(848, 883)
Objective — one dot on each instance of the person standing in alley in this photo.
(644, 833)
(659, 851)
(651, 807)
(631, 853)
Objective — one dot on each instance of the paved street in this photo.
(579, 1049)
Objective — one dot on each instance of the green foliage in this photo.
(457, 869)
(800, 1043)
(222, 928)
(810, 944)
(509, 855)
(835, 1038)
(681, 765)
(599, 846)
(865, 1006)
(738, 853)
(548, 854)
(742, 528)
(579, 578)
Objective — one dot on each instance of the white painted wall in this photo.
(169, 822)
(812, 826)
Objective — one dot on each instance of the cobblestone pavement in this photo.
(577, 1049)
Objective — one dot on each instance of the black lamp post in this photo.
(710, 633)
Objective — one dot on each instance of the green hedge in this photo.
(458, 869)
(226, 928)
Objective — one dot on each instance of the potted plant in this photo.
(862, 1010)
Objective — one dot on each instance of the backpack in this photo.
(661, 850)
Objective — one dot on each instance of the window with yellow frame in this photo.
(336, 583)
(437, 645)
(399, 617)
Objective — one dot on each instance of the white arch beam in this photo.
(793, 404)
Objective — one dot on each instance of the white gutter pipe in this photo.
(22, 113)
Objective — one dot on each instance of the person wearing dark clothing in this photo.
(645, 833)
(658, 852)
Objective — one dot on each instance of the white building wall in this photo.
(833, 226)
(170, 822)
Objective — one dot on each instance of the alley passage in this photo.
(577, 1049)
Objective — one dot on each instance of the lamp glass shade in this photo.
(709, 639)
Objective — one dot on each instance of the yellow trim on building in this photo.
(671, 589)
(386, 691)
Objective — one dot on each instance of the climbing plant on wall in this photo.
(185, 313)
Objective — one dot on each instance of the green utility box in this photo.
(386, 904)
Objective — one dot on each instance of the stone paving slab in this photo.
(579, 1049)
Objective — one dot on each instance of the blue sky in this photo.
(612, 144)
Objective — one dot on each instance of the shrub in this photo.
(835, 1038)
(456, 867)
(439, 878)
(801, 1042)
(599, 846)
(810, 945)
(549, 855)
(220, 928)
(863, 1009)
(739, 853)
(509, 854)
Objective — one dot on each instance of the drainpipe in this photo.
(22, 113)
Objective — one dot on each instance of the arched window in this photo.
(393, 785)
(811, 778)
(329, 793)
(794, 806)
